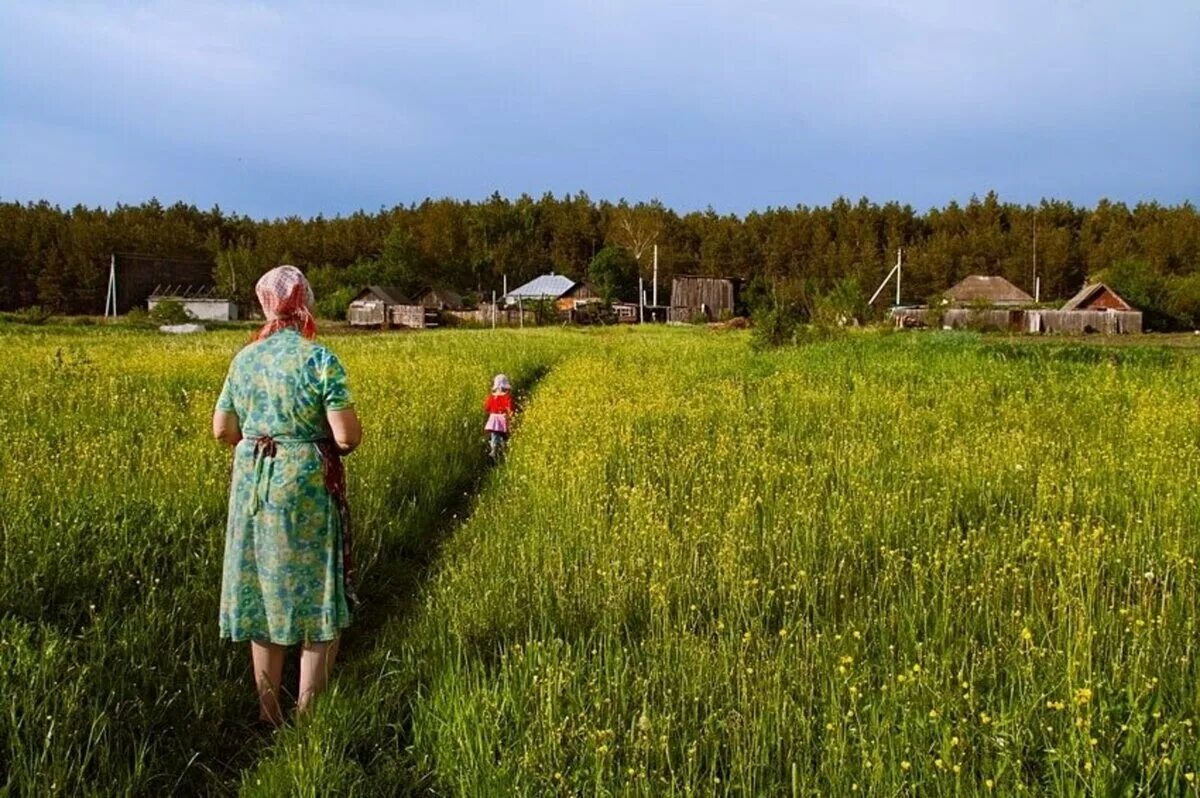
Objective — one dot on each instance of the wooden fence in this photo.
(1111, 322)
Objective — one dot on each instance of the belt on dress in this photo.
(265, 449)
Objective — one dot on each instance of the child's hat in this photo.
(501, 383)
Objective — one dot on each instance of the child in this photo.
(499, 409)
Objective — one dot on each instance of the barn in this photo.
(202, 303)
(693, 296)
(441, 299)
(385, 307)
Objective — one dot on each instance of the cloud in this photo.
(306, 107)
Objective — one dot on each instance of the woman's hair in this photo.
(287, 300)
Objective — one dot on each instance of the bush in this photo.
(333, 305)
(774, 328)
(34, 314)
(169, 311)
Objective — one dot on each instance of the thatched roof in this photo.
(992, 289)
(1095, 294)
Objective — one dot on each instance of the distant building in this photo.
(441, 299)
(202, 303)
(993, 303)
(1097, 296)
(566, 293)
(979, 289)
(386, 306)
(693, 296)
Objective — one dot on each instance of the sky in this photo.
(273, 109)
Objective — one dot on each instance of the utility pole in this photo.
(899, 269)
(641, 301)
(1036, 283)
(110, 296)
(654, 304)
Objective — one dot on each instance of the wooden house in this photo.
(442, 299)
(992, 290)
(693, 296)
(386, 307)
(1097, 296)
(566, 293)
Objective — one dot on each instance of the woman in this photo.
(287, 411)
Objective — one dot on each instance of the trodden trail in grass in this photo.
(358, 736)
(112, 531)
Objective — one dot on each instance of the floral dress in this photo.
(284, 578)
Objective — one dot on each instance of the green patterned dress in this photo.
(283, 579)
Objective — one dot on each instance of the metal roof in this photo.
(547, 286)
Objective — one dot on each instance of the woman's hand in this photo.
(345, 428)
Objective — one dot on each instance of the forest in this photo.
(57, 259)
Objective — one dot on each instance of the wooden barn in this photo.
(442, 299)
(386, 307)
(993, 290)
(693, 296)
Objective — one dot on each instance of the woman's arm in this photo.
(347, 431)
(226, 428)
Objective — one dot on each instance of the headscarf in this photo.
(287, 300)
(501, 383)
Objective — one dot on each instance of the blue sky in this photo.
(280, 108)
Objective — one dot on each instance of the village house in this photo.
(567, 294)
(441, 299)
(990, 290)
(386, 307)
(992, 303)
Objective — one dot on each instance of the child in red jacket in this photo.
(499, 408)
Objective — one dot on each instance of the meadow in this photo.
(886, 564)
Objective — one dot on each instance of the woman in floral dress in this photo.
(287, 411)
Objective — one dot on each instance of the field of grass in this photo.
(886, 563)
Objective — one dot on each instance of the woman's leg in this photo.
(268, 673)
(316, 664)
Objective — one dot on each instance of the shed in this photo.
(387, 306)
(202, 303)
(442, 299)
(1097, 296)
(987, 289)
(695, 295)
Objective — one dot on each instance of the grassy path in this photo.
(359, 736)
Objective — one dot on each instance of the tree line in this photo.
(57, 258)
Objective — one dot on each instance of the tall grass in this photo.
(877, 565)
(883, 564)
(113, 497)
